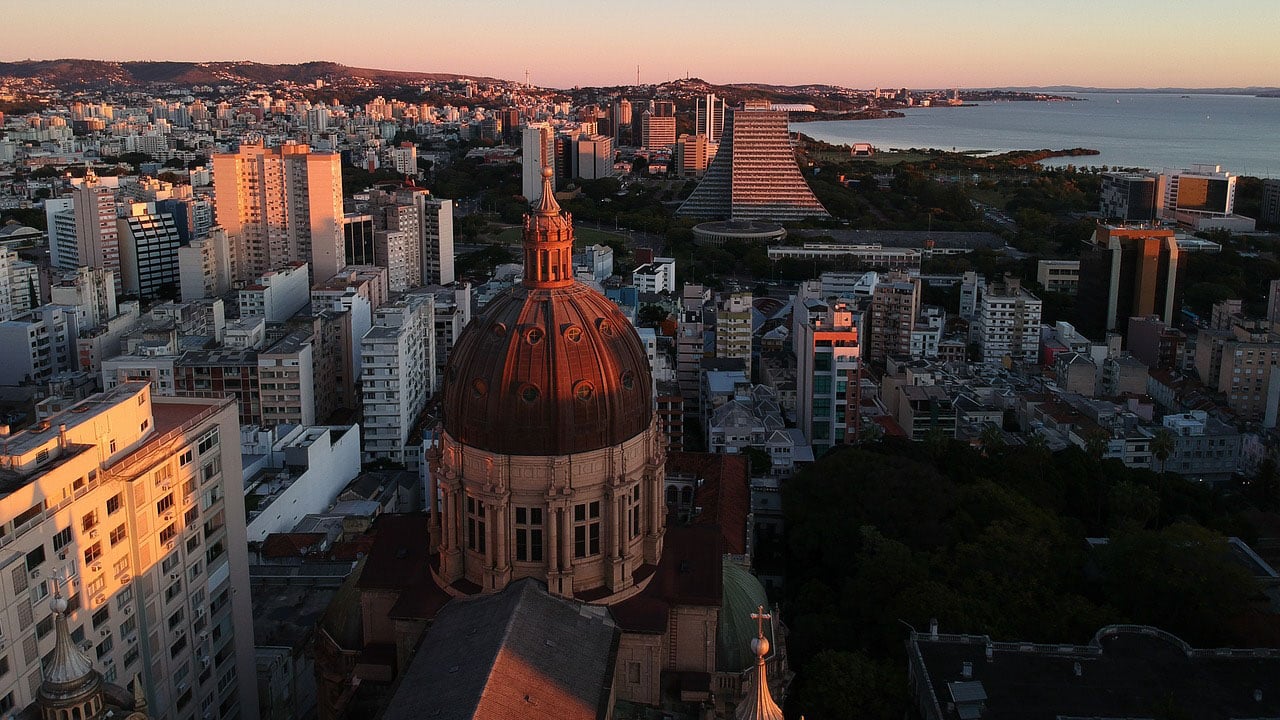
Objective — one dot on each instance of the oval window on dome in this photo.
(583, 390)
(479, 388)
(499, 329)
(629, 380)
(534, 336)
(606, 328)
(573, 333)
(529, 393)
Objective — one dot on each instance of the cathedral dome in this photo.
(552, 367)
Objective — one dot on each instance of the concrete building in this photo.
(36, 346)
(1128, 197)
(278, 295)
(148, 251)
(397, 374)
(733, 329)
(120, 504)
(60, 219)
(435, 234)
(1157, 345)
(1201, 197)
(1243, 363)
(1204, 448)
(287, 381)
(1124, 273)
(1009, 323)
(19, 285)
(895, 305)
(1273, 301)
(90, 290)
(204, 266)
(97, 233)
(295, 470)
(1060, 276)
(692, 155)
(538, 141)
(658, 276)
(1270, 203)
(594, 155)
(657, 132)
(708, 117)
(754, 174)
(281, 205)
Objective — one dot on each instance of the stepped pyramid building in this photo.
(754, 175)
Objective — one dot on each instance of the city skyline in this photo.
(925, 43)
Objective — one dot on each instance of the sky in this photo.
(854, 43)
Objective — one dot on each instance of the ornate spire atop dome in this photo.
(548, 241)
(759, 704)
(69, 674)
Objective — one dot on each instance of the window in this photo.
(62, 539)
(211, 469)
(164, 503)
(529, 534)
(124, 597)
(89, 521)
(129, 626)
(167, 534)
(208, 441)
(475, 525)
(92, 553)
(635, 510)
(175, 619)
(105, 646)
(586, 529)
(35, 558)
(185, 459)
(118, 536)
(121, 566)
(44, 627)
(114, 503)
(100, 617)
(173, 591)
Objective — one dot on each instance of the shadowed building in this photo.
(754, 175)
(1124, 273)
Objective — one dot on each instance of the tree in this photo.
(992, 438)
(1162, 446)
(848, 684)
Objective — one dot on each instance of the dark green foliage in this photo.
(897, 533)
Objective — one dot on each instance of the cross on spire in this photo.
(760, 616)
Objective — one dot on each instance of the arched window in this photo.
(673, 495)
(686, 496)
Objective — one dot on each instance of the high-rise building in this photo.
(357, 237)
(128, 506)
(538, 152)
(657, 132)
(204, 266)
(19, 285)
(1197, 192)
(397, 374)
(148, 251)
(594, 157)
(281, 205)
(733, 329)
(60, 219)
(1270, 203)
(1243, 363)
(827, 376)
(1124, 273)
(435, 232)
(1273, 301)
(692, 155)
(622, 122)
(895, 304)
(754, 175)
(708, 118)
(97, 234)
(1009, 323)
(1128, 197)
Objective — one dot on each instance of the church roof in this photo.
(519, 653)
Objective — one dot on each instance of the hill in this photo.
(73, 73)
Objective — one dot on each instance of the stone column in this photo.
(552, 550)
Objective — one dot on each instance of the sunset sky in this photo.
(856, 43)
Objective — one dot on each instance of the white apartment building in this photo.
(1008, 323)
(90, 290)
(155, 369)
(204, 266)
(286, 380)
(435, 218)
(297, 472)
(37, 345)
(97, 234)
(656, 277)
(539, 151)
(397, 358)
(60, 218)
(121, 502)
(278, 295)
(19, 285)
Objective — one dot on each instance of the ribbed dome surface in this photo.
(547, 371)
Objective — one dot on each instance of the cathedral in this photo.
(72, 689)
(549, 537)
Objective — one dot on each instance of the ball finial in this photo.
(58, 604)
(547, 172)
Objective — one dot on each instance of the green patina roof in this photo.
(743, 594)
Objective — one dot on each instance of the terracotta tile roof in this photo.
(691, 573)
(724, 495)
(291, 545)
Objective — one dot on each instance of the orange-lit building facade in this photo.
(121, 502)
(1127, 272)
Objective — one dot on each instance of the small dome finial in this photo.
(57, 603)
(547, 172)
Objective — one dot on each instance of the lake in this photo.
(1150, 130)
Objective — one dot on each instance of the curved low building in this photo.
(721, 232)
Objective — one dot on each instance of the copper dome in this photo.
(552, 367)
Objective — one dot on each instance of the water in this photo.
(1149, 130)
